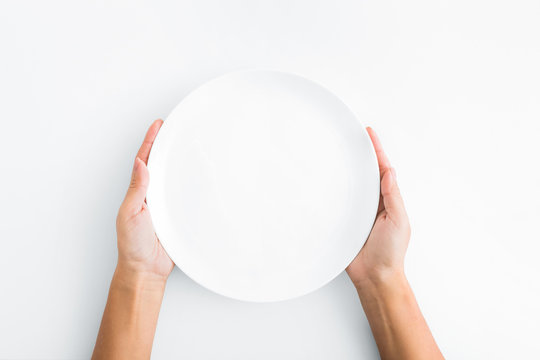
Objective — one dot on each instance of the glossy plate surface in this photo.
(263, 185)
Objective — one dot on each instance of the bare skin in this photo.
(131, 314)
(377, 272)
(130, 317)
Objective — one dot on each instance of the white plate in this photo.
(263, 185)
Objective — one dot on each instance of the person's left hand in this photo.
(139, 251)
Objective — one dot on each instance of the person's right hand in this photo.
(383, 254)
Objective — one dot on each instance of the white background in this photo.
(453, 88)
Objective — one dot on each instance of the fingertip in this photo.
(140, 172)
(374, 140)
(158, 123)
(393, 202)
(144, 150)
(382, 159)
(154, 129)
(137, 164)
(373, 135)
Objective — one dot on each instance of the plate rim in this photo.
(373, 157)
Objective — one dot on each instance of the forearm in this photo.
(395, 319)
(130, 317)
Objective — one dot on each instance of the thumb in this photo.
(137, 188)
(393, 203)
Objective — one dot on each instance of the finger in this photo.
(393, 203)
(137, 188)
(382, 159)
(149, 138)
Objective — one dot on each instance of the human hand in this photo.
(130, 317)
(383, 254)
(140, 254)
(397, 324)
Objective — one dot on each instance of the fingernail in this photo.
(137, 163)
(393, 173)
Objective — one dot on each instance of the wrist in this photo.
(382, 283)
(130, 278)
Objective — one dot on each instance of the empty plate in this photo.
(263, 185)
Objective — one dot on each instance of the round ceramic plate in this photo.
(263, 185)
